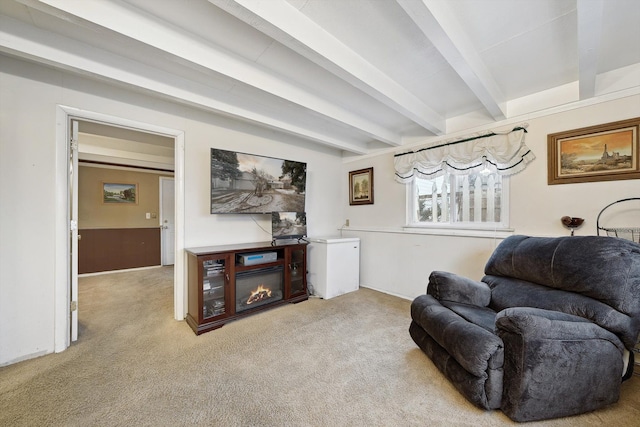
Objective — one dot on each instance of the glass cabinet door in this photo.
(213, 287)
(297, 271)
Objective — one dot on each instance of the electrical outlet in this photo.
(148, 215)
(347, 223)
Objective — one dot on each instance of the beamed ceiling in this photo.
(356, 75)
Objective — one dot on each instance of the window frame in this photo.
(470, 227)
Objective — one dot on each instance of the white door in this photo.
(167, 223)
(73, 229)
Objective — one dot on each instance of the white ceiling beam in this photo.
(435, 20)
(25, 41)
(136, 25)
(287, 25)
(589, 36)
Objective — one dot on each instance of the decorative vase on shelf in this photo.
(571, 223)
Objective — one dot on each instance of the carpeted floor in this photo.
(347, 361)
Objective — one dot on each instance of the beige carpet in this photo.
(348, 361)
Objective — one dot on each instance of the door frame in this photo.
(62, 286)
(73, 181)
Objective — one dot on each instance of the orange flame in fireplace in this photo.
(259, 294)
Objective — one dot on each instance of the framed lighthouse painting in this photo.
(604, 152)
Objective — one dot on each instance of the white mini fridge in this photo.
(334, 265)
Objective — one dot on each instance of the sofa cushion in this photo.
(603, 268)
(507, 293)
(481, 316)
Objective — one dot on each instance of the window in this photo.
(466, 186)
(478, 200)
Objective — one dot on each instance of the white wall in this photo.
(399, 263)
(30, 163)
(391, 261)
(203, 229)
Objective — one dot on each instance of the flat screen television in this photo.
(288, 225)
(248, 183)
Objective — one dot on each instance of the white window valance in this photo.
(504, 153)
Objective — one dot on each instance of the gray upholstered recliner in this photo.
(547, 333)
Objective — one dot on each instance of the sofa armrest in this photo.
(445, 286)
(556, 364)
(536, 323)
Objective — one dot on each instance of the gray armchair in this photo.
(548, 332)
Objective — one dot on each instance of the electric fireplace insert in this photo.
(258, 287)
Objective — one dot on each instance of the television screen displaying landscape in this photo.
(248, 183)
(288, 225)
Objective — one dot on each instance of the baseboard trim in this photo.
(25, 357)
(100, 273)
(386, 292)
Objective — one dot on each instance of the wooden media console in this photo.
(233, 281)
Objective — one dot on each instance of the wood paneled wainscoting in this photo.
(106, 249)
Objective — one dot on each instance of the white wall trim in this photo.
(498, 233)
(62, 281)
(179, 272)
(62, 273)
(124, 270)
(384, 291)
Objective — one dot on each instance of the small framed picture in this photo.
(604, 152)
(361, 187)
(119, 193)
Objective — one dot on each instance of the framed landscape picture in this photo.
(119, 193)
(604, 152)
(361, 187)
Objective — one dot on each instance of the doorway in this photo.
(120, 205)
(64, 257)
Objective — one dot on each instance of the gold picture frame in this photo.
(604, 152)
(361, 187)
(118, 193)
